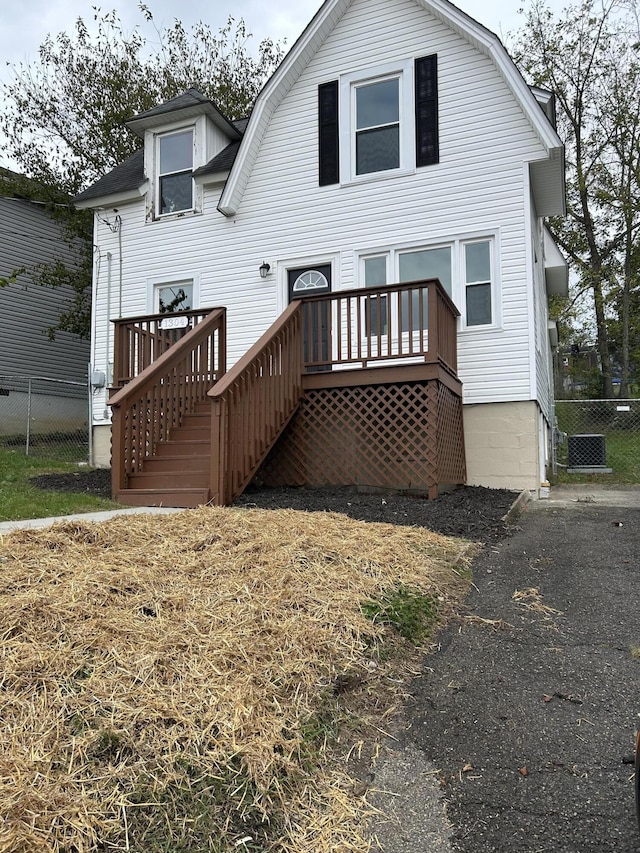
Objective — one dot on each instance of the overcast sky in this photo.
(23, 26)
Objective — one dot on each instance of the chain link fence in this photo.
(45, 418)
(599, 436)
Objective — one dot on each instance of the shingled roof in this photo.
(188, 105)
(130, 175)
(223, 161)
(127, 176)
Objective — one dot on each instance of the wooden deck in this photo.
(355, 388)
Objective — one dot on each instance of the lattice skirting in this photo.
(405, 436)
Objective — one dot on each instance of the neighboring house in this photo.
(396, 143)
(54, 369)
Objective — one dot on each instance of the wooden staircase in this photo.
(184, 431)
(179, 472)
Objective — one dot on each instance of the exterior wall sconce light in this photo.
(264, 269)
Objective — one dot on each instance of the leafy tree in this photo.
(588, 55)
(63, 115)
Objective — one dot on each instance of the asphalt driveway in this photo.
(526, 714)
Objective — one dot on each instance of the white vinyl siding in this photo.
(543, 355)
(477, 189)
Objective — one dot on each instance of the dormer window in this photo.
(175, 181)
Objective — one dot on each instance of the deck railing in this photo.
(139, 341)
(357, 328)
(253, 403)
(155, 400)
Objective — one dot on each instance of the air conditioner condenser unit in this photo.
(586, 451)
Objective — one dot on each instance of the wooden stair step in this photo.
(176, 463)
(183, 498)
(189, 433)
(183, 448)
(196, 420)
(169, 479)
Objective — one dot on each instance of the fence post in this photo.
(26, 452)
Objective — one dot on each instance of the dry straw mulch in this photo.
(166, 681)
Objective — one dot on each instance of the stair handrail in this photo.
(139, 341)
(253, 403)
(161, 393)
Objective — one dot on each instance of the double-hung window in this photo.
(175, 181)
(378, 123)
(477, 283)
(375, 275)
(377, 118)
(377, 126)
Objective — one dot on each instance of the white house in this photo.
(396, 142)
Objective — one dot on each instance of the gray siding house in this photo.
(54, 370)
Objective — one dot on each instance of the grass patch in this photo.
(20, 499)
(60, 446)
(410, 611)
(196, 681)
(635, 652)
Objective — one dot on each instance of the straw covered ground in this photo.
(186, 682)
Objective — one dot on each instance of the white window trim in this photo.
(152, 166)
(166, 281)
(158, 141)
(465, 284)
(348, 84)
(458, 284)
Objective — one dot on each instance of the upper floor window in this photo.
(378, 123)
(175, 182)
(377, 126)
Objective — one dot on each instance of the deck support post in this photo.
(218, 450)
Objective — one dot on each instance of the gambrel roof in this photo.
(547, 175)
(236, 160)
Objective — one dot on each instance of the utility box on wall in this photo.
(587, 451)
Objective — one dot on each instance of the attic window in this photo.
(381, 124)
(175, 180)
(377, 131)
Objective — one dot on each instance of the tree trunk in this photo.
(602, 335)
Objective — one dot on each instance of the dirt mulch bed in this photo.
(473, 512)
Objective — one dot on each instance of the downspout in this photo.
(108, 344)
(119, 226)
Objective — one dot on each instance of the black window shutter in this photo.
(426, 74)
(328, 151)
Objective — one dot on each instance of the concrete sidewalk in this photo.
(593, 493)
(35, 523)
